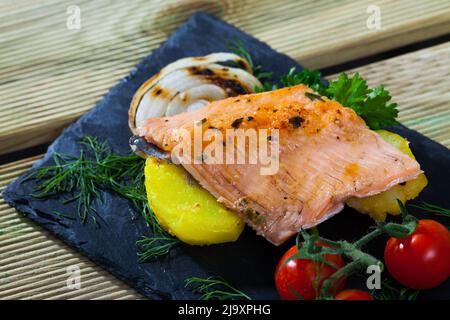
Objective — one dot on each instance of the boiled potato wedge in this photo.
(185, 209)
(377, 206)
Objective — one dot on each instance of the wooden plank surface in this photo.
(419, 85)
(33, 264)
(50, 75)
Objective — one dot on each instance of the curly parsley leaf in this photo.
(377, 111)
(311, 78)
(350, 92)
(373, 105)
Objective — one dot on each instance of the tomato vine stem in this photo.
(313, 248)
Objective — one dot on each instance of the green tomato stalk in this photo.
(311, 248)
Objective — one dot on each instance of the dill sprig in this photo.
(96, 170)
(238, 47)
(390, 291)
(83, 178)
(152, 247)
(215, 288)
(432, 208)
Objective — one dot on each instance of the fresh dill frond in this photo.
(157, 245)
(153, 247)
(215, 288)
(83, 178)
(97, 169)
(62, 215)
(390, 291)
(238, 47)
(432, 208)
(311, 78)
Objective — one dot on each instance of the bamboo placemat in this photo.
(33, 263)
(50, 75)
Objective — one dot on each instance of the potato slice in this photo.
(185, 209)
(377, 206)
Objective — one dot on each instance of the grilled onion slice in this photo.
(190, 83)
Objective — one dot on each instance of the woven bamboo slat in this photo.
(50, 75)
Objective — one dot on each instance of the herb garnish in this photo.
(237, 46)
(82, 178)
(152, 247)
(97, 169)
(390, 291)
(311, 78)
(432, 208)
(215, 288)
(371, 104)
(313, 96)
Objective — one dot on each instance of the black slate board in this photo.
(249, 263)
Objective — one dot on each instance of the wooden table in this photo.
(50, 75)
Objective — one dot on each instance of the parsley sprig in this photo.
(372, 104)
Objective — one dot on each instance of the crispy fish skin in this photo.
(327, 155)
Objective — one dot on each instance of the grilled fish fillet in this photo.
(327, 154)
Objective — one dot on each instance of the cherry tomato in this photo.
(353, 294)
(304, 278)
(421, 260)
